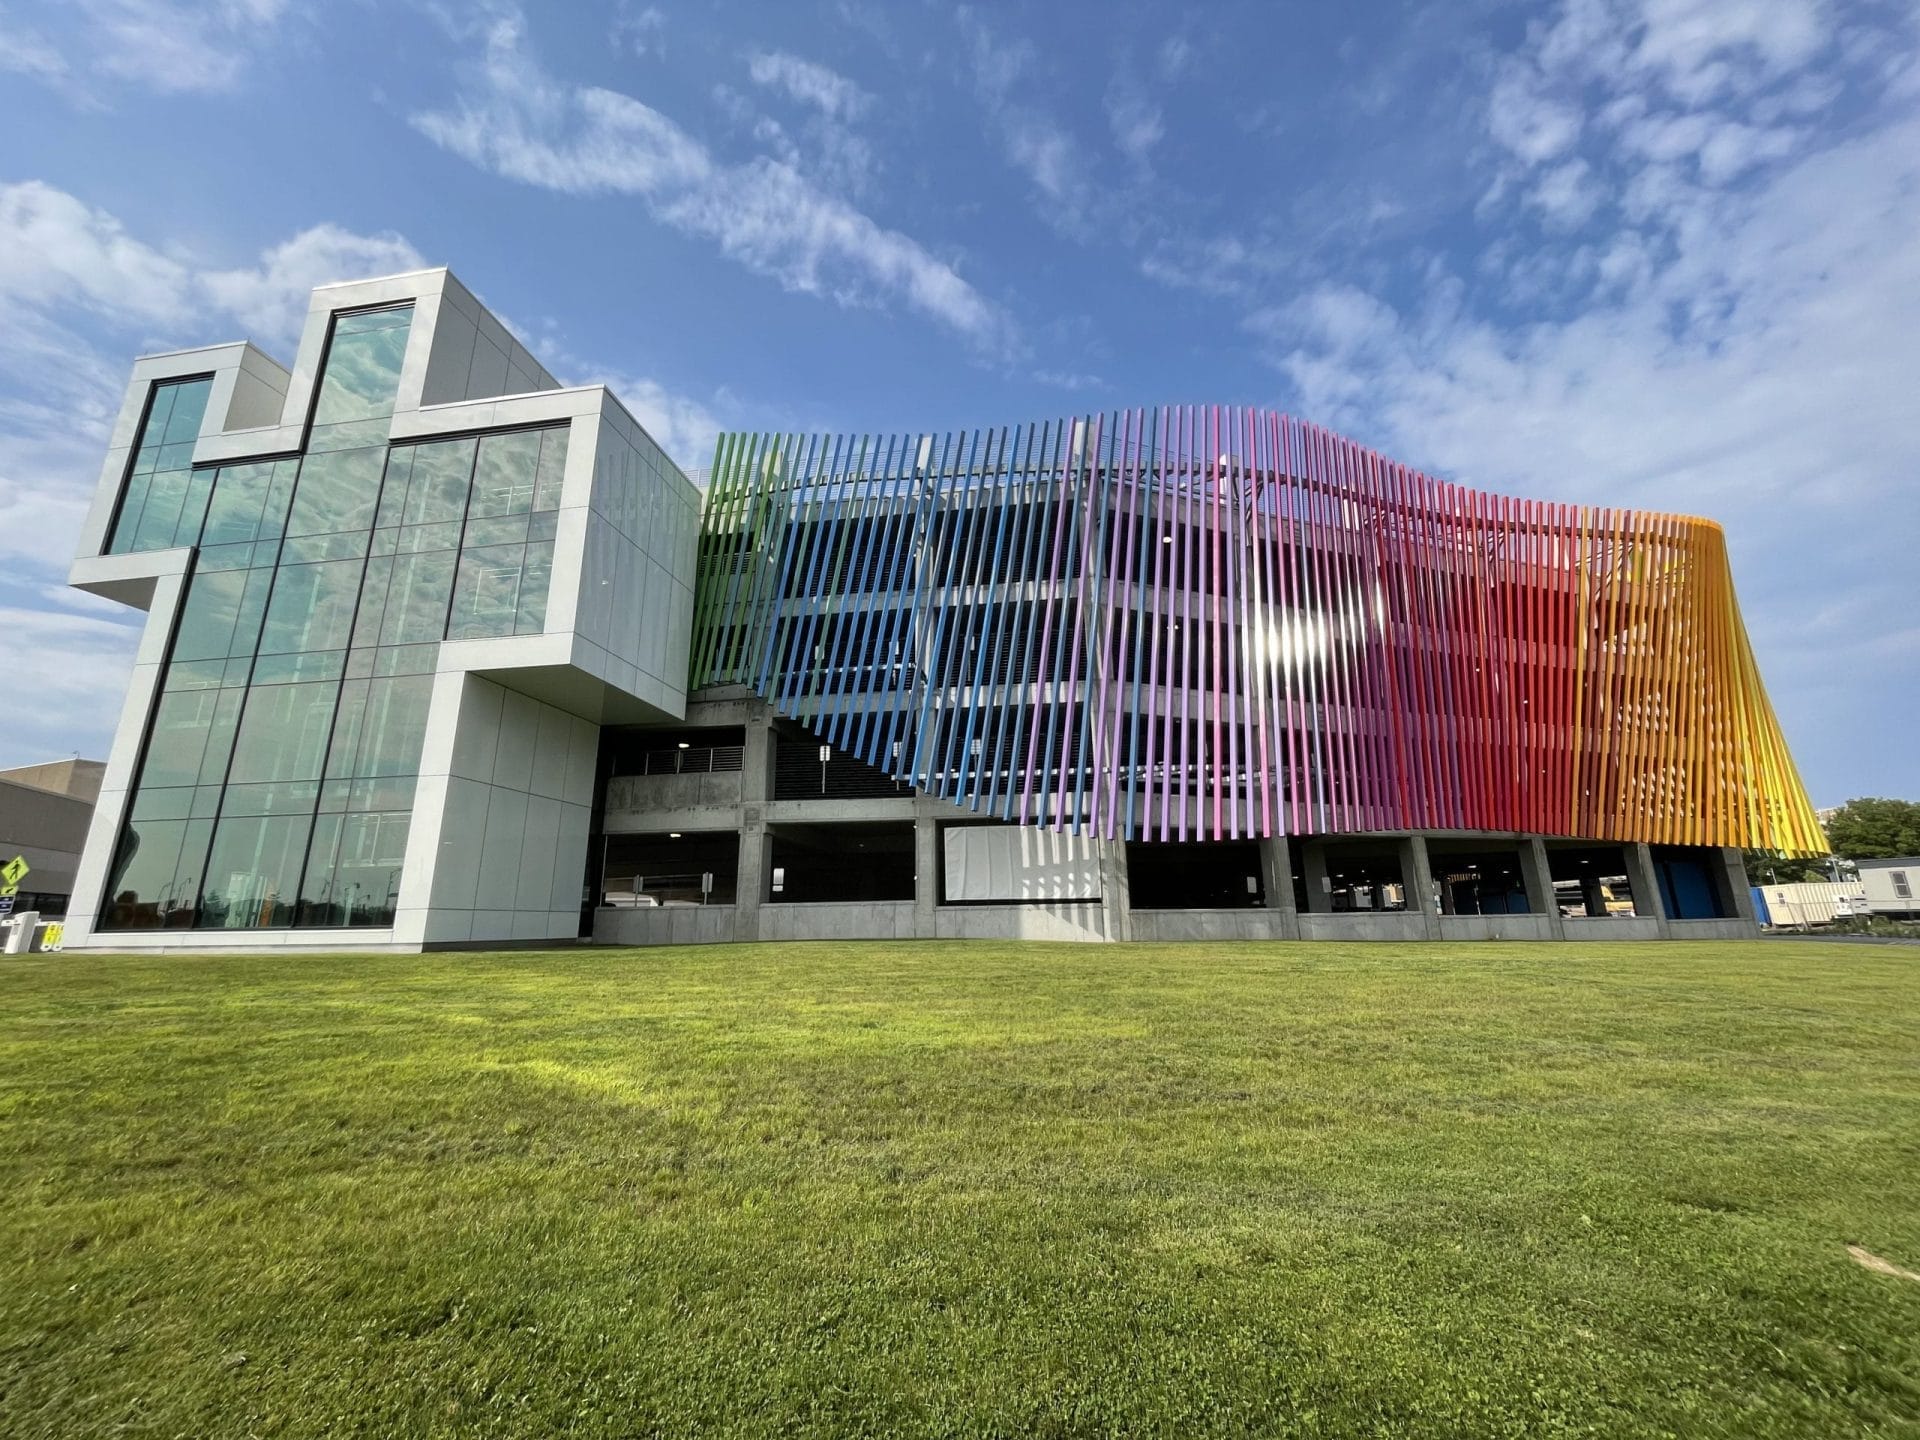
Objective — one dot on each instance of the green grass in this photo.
(963, 1190)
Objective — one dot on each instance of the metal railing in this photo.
(685, 760)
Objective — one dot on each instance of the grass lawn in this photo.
(937, 1189)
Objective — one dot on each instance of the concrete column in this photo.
(1313, 860)
(1416, 873)
(756, 872)
(1536, 873)
(926, 869)
(1728, 867)
(1646, 888)
(756, 845)
(756, 757)
(1593, 895)
(1276, 873)
(1116, 897)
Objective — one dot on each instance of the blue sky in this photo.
(1662, 253)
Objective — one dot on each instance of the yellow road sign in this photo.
(11, 875)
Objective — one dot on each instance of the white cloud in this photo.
(1136, 121)
(1532, 125)
(1701, 48)
(1175, 57)
(824, 143)
(1566, 195)
(270, 298)
(53, 246)
(1034, 142)
(1754, 366)
(1069, 380)
(167, 46)
(811, 84)
(25, 51)
(639, 29)
(1733, 149)
(682, 426)
(66, 680)
(520, 123)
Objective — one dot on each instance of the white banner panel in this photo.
(1020, 863)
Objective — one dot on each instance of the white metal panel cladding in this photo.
(1020, 863)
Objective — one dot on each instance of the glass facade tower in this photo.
(278, 776)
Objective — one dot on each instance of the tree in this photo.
(1874, 829)
(1764, 867)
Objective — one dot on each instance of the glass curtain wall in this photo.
(277, 784)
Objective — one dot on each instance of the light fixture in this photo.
(685, 746)
(673, 835)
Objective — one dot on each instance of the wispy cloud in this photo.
(516, 120)
(681, 425)
(1033, 140)
(639, 28)
(810, 83)
(165, 46)
(1134, 116)
(1689, 333)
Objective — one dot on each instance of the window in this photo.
(1901, 889)
(362, 377)
(165, 497)
(249, 502)
(312, 607)
(253, 872)
(338, 491)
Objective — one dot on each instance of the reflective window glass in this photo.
(438, 482)
(299, 666)
(343, 753)
(505, 473)
(293, 708)
(487, 592)
(222, 613)
(283, 732)
(253, 871)
(497, 530)
(393, 494)
(417, 599)
(353, 869)
(155, 880)
(405, 659)
(317, 905)
(552, 469)
(530, 616)
(157, 502)
(312, 607)
(189, 409)
(275, 797)
(338, 490)
(362, 373)
(395, 725)
(183, 722)
(249, 501)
